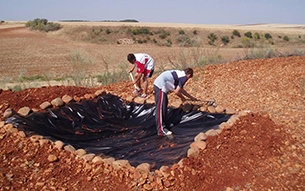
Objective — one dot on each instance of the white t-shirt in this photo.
(144, 61)
(169, 80)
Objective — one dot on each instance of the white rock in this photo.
(67, 99)
(69, 148)
(211, 132)
(200, 137)
(211, 109)
(230, 111)
(165, 171)
(45, 105)
(108, 160)
(97, 159)
(7, 113)
(144, 167)
(223, 125)
(193, 152)
(57, 102)
(219, 109)
(100, 92)
(243, 112)
(80, 152)
(24, 111)
(36, 138)
(52, 158)
(8, 126)
(88, 157)
(139, 100)
(119, 164)
(21, 134)
(199, 144)
(59, 144)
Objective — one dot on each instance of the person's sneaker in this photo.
(165, 132)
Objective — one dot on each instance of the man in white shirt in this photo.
(169, 81)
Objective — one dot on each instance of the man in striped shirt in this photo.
(169, 81)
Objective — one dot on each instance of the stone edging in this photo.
(142, 171)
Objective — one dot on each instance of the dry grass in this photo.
(25, 53)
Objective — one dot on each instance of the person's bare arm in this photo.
(181, 93)
(138, 78)
(131, 70)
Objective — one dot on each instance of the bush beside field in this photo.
(181, 47)
(178, 37)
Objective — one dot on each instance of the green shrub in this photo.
(42, 25)
(185, 41)
(108, 31)
(181, 32)
(195, 32)
(248, 34)
(112, 77)
(79, 63)
(33, 78)
(96, 31)
(51, 27)
(212, 38)
(257, 53)
(142, 30)
(236, 33)
(225, 39)
(268, 36)
(163, 34)
(129, 20)
(239, 46)
(141, 41)
(247, 43)
(256, 36)
(169, 43)
(286, 38)
(16, 88)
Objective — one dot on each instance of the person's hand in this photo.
(183, 99)
(194, 99)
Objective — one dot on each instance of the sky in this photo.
(158, 11)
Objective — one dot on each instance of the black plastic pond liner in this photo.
(107, 126)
